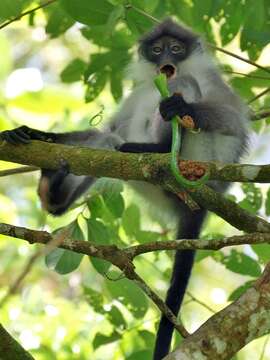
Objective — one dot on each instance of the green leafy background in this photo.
(76, 52)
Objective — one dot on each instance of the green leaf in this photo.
(94, 299)
(95, 85)
(99, 234)
(253, 198)
(148, 338)
(65, 261)
(242, 264)
(110, 186)
(73, 71)
(12, 8)
(137, 23)
(96, 207)
(114, 17)
(94, 12)
(267, 203)
(116, 318)
(116, 85)
(233, 13)
(129, 294)
(140, 355)
(131, 220)
(263, 252)
(115, 203)
(240, 290)
(147, 236)
(101, 339)
(58, 20)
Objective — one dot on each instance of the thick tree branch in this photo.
(153, 168)
(10, 349)
(226, 332)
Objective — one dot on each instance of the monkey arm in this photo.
(24, 134)
(207, 116)
(134, 147)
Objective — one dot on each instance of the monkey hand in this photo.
(175, 105)
(24, 135)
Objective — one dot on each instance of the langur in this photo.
(142, 124)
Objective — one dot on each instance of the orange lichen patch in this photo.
(187, 122)
(191, 170)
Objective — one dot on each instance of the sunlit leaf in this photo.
(240, 290)
(65, 261)
(94, 12)
(129, 294)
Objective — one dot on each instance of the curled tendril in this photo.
(97, 118)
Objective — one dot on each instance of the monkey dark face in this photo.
(167, 45)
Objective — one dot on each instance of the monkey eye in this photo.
(157, 50)
(176, 49)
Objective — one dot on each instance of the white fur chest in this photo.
(140, 124)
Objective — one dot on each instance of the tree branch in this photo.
(10, 349)
(28, 12)
(18, 170)
(226, 332)
(250, 314)
(153, 168)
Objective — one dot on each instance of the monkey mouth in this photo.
(169, 70)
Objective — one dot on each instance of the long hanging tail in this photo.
(183, 263)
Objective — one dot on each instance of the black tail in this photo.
(190, 228)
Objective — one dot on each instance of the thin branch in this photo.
(239, 57)
(260, 115)
(28, 12)
(246, 75)
(193, 298)
(141, 12)
(165, 310)
(264, 92)
(18, 170)
(197, 244)
(113, 254)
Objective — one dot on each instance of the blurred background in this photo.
(61, 66)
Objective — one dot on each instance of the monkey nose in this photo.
(169, 70)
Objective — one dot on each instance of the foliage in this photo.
(82, 48)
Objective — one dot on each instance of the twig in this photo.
(165, 310)
(239, 57)
(259, 95)
(139, 11)
(18, 170)
(246, 75)
(193, 298)
(260, 115)
(16, 18)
